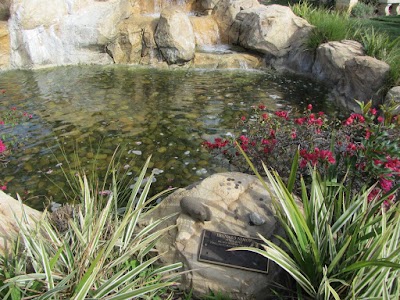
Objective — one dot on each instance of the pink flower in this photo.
(309, 107)
(373, 111)
(385, 184)
(282, 114)
(243, 118)
(3, 91)
(3, 147)
(262, 106)
(293, 135)
(1, 122)
(3, 187)
(300, 121)
(380, 119)
(13, 108)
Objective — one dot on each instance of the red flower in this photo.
(300, 121)
(282, 114)
(1, 122)
(309, 107)
(265, 116)
(243, 118)
(2, 147)
(380, 119)
(13, 108)
(262, 106)
(373, 111)
(385, 184)
(293, 135)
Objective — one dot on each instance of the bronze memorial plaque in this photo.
(214, 246)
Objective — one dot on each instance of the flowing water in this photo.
(90, 110)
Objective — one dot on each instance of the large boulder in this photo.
(57, 32)
(363, 79)
(273, 30)
(239, 205)
(12, 212)
(331, 58)
(225, 13)
(135, 43)
(175, 37)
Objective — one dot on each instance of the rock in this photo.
(228, 61)
(194, 208)
(11, 211)
(231, 197)
(273, 30)
(393, 98)
(256, 219)
(135, 43)
(4, 46)
(225, 13)
(331, 57)
(363, 79)
(208, 5)
(47, 32)
(174, 36)
(5, 10)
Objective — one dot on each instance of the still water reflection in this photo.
(90, 109)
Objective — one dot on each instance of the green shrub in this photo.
(379, 45)
(362, 10)
(100, 253)
(362, 149)
(329, 25)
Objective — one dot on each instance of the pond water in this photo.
(90, 110)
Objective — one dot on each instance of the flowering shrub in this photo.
(364, 148)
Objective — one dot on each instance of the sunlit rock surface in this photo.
(4, 46)
(174, 36)
(11, 212)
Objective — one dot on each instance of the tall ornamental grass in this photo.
(101, 254)
(339, 245)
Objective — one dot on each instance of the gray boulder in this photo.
(273, 30)
(239, 205)
(363, 79)
(331, 58)
(225, 13)
(175, 37)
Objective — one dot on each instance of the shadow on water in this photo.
(163, 113)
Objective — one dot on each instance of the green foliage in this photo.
(329, 25)
(379, 45)
(336, 26)
(338, 245)
(102, 254)
(362, 10)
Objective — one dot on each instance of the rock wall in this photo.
(60, 32)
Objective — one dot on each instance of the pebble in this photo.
(256, 219)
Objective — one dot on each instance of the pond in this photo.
(90, 110)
